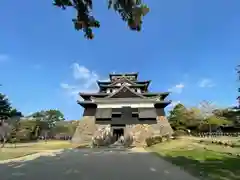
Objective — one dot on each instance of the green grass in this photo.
(12, 155)
(10, 152)
(199, 161)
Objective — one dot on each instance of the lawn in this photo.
(10, 152)
(208, 162)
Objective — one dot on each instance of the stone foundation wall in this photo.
(88, 132)
(141, 132)
(102, 136)
(85, 130)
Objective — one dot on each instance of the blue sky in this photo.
(189, 47)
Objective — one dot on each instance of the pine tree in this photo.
(5, 107)
(130, 11)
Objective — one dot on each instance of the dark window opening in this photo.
(118, 125)
(147, 119)
(116, 110)
(103, 119)
(116, 115)
(135, 115)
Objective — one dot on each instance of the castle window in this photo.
(135, 115)
(116, 115)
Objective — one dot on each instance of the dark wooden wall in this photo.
(115, 120)
(89, 111)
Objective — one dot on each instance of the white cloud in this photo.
(85, 75)
(206, 83)
(178, 88)
(4, 57)
(86, 81)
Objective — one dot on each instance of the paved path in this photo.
(94, 164)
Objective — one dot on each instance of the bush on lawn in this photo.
(156, 139)
(179, 132)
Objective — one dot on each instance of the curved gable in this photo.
(125, 92)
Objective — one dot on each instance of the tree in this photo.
(15, 113)
(50, 116)
(5, 130)
(193, 118)
(54, 115)
(213, 116)
(14, 117)
(214, 120)
(177, 116)
(182, 118)
(47, 120)
(9, 118)
(131, 11)
(207, 109)
(5, 107)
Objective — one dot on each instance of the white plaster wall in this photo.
(141, 105)
(110, 90)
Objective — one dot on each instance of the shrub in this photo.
(179, 132)
(153, 140)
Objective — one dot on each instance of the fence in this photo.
(216, 134)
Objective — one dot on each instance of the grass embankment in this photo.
(206, 161)
(23, 149)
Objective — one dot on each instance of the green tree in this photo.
(131, 11)
(9, 119)
(54, 115)
(14, 117)
(193, 118)
(50, 116)
(219, 121)
(5, 107)
(177, 117)
(15, 113)
(230, 114)
(47, 120)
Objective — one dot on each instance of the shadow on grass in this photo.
(226, 168)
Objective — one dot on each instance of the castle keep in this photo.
(125, 105)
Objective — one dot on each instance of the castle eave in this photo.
(162, 95)
(162, 104)
(86, 104)
(127, 100)
(86, 96)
